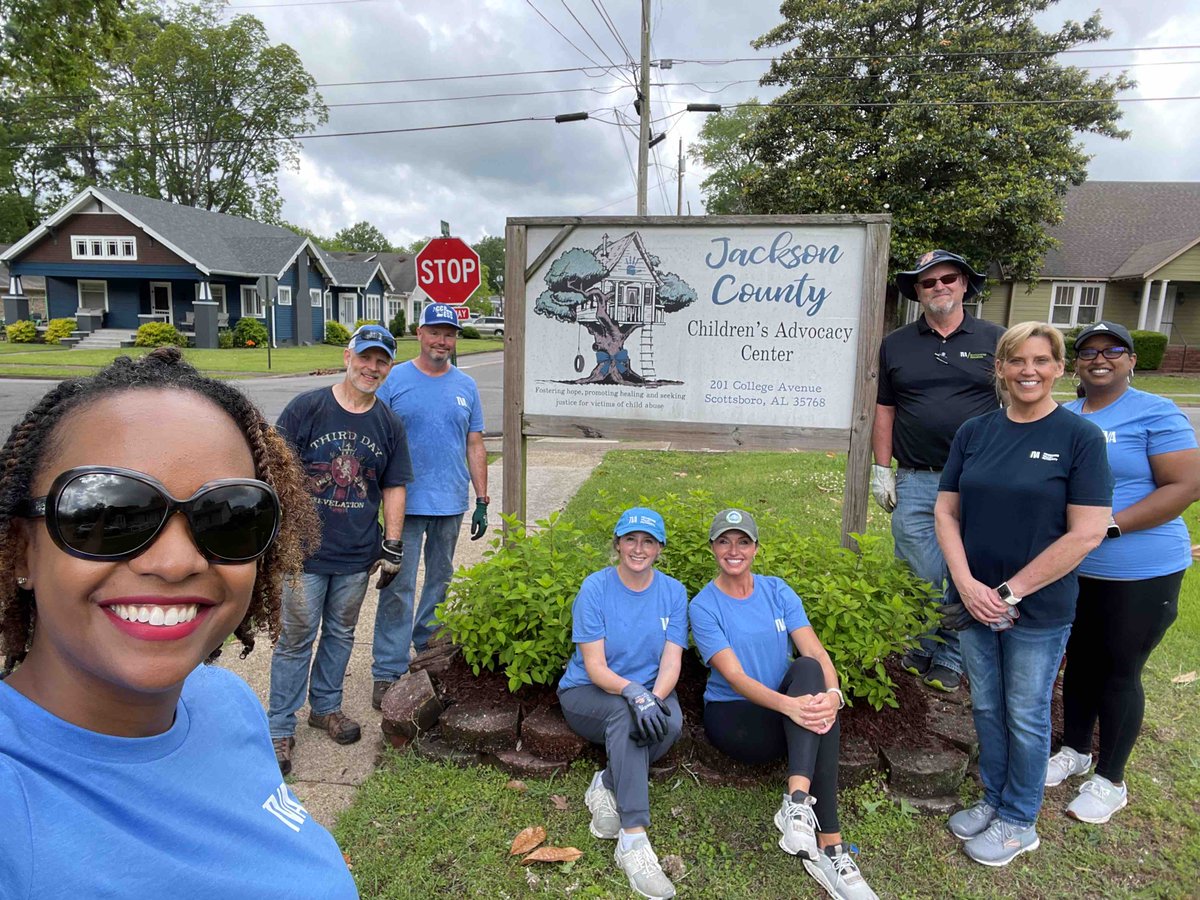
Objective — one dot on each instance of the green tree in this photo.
(478, 302)
(730, 158)
(491, 257)
(361, 236)
(958, 119)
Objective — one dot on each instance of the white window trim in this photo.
(374, 308)
(170, 299)
(327, 302)
(252, 303)
(121, 240)
(284, 295)
(79, 291)
(1075, 287)
(218, 294)
(314, 297)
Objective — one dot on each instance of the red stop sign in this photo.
(448, 270)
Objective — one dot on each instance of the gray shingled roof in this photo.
(1123, 229)
(400, 267)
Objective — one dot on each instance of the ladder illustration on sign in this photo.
(647, 354)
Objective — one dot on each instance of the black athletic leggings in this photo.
(1117, 625)
(753, 734)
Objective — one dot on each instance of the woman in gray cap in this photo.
(760, 704)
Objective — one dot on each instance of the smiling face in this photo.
(941, 299)
(637, 552)
(366, 371)
(116, 635)
(1029, 371)
(1103, 373)
(437, 344)
(734, 551)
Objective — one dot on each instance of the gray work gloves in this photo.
(883, 487)
(650, 714)
(391, 555)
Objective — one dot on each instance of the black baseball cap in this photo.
(1120, 332)
(906, 281)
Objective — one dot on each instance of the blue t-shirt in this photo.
(758, 629)
(634, 625)
(1014, 481)
(438, 412)
(199, 811)
(1136, 427)
(349, 458)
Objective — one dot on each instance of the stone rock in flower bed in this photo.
(523, 764)
(714, 759)
(430, 746)
(856, 762)
(545, 733)
(409, 707)
(925, 772)
(954, 724)
(931, 806)
(435, 660)
(484, 729)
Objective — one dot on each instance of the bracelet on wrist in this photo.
(484, 499)
(841, 696)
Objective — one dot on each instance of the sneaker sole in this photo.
(1000, 863)
(913, 670)
(1074, 815)
(597, 834)
(1078, 774)
(938, 686)
(806, 855)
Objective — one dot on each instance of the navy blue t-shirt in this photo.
(1014, 481)
(349, 458)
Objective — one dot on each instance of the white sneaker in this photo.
(602, 803)
(837, 872)
(640, 865)
(1097, 800)
(797, 824)
(1065, 763)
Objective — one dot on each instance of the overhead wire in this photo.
(583, 28)
(560, 34)
(612, 29)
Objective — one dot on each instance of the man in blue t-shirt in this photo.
(443, 417)
(356, 456)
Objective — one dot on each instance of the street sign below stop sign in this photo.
(448, 270)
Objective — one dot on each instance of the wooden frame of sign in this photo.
(611, 269)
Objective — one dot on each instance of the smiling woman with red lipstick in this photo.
(146, 514)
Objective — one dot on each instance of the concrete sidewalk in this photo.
(325, 774)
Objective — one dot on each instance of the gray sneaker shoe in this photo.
(967, 823)
(1065, 763)
(641, 867)
(797, 824)
(602, 803)
(837, 872)
(1001, 843)
(1097, 800)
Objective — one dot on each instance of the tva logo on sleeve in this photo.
(666, 620)
(780, 626)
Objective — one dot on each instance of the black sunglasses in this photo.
(928, 283)
(103, 513)
(1115, 352)
(374, 333)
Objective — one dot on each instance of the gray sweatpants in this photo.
(605, 719)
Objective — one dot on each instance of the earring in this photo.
(1130, 378)
(1075, 380)
(22, 581)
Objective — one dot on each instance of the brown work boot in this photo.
(337, 725)
(283, 753)
(377, 691)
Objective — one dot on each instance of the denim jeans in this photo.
(916, 544)
(1012, 677)
(328, 602)
(395, 628)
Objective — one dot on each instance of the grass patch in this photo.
(1185, 388)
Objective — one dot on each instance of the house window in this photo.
(394, 305)
(1076, 304)
(252, 303)
(218, 294)
(93, 294)
(85, 247)
(373, 310)
(285, 296)
(328, 305)
(314, 297)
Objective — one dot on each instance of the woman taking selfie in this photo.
(146, 514)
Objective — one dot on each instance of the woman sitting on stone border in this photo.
(630, 628)
(761, 705)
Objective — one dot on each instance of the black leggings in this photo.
(1117, 625)
(753, 734)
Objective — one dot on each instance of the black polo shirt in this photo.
(936, 383)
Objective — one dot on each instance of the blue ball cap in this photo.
(368, 336)
(642, 518)
(440, 314)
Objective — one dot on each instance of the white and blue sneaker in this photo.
(1065, 763)
(974, 820)
(602, 803)
(837, 872)
(797, 824)
(1097, 800)
(1001, 843)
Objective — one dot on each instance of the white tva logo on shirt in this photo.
(665, 621)
(780, 626)
(462, 401)
(1042, 454)
(285, 809)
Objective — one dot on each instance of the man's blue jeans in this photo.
(1012, 677)
(328, 602)
(916, 544)
(395, 628)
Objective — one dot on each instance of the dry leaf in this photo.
(560, 802)
(673, 867)
(527, 840)
(552, 854)
(346, 857)
(1185, 678)
(517, 785)
(831, 455)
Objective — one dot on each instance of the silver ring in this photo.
(824, 723)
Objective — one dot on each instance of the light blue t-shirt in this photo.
(197, 812)
(758, 629)
(1136, 427)
(438, 414)
(635, 625)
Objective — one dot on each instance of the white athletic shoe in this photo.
(797, 824)
(1065, 763)
(602, 803)
(1097, 800)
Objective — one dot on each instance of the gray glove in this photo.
(883, 487)
(650, 714)
(956, 617)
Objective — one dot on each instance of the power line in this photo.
(560, 34)
(612, 29)
(570, 12)
(941, 54)
(825, 104)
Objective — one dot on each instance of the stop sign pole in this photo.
(448, 270)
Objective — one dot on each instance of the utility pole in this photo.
(644, 130)
(679, 194)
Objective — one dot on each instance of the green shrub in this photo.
(336, 334)
(249, 332)
(224, 339)
(361, 322)
(412, 329)
(22, 332)
(470, 332)
(158, 334)
(1149, 347)
(398, 326)
(59, 329)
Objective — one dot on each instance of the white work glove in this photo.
(883, 487)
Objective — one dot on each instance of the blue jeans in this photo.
(395, 628)
(1012, 677)
(916, 544)
(328, 602)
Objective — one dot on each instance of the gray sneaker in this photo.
(967, 823)
(602, 803)
(1001, 843)
(1065, 763)
(641, 867)
(837, 872)
(797, 824)
(1098, 799)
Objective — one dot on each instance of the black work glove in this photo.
(956, 617)
(650, 714)
(391, 554)
(479, 519)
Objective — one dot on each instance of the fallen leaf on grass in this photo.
(1185, 678)
(552, 854)
(346, 857)
(527, 840)
(515, 785)
(560, 802)
(673, 867)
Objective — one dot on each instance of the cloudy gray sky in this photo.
(476, 177)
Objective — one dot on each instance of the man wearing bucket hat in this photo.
(439, 405)
(934, 374)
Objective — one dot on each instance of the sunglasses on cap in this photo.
(107, 514)
(374, 333)
(928, 283)
(1114, 352)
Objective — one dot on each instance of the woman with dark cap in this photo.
(1129, 585)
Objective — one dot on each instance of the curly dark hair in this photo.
(33, 440)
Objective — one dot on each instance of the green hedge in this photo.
(59, 329)
(398, 325)
(250, 333)
(1148, 345)
(158, 334)
(336, 334)
(23, 331)
(470, 332)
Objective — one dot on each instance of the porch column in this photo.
(16, 304)
(204, 319)
(1162, 304)
(1141, 325)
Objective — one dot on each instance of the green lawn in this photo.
(419, 829)
(1184, 388)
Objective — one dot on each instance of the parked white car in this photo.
(487, 325)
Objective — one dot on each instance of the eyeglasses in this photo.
(374, 333)
(928, 283)
(108, 514)
(1115, 352)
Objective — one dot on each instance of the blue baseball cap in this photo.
(906, 281)
(440, 314)
(368, 336)
(642, 518)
